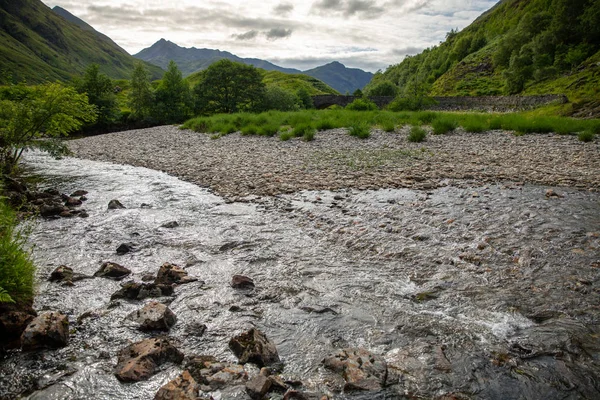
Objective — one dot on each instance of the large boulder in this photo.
(184, 387)
(139, 361)
(360, 369)
(112, 271)
(48, 330)
(254, 347)
(115, 205)
(173, 274)
(13, 321)
(139, 291)
(212, 374)
(154, 316)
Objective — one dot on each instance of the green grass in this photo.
(16, 268)
(272, 122)
(303, 129)
(417, 134)
(360, 130)
(586, 136)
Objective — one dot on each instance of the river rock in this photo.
(65, 274)
(13, 321)
(79, 193)
(184, 387)
(173, 274)
(48, 330)
(258, 386)
(125, 248)
(139, 361)
(154, 316)
(112, 271)
(170, 225)
(115, 204)
(242, 282)
(51, 209)
(254, 347)
(139, 291)
(214, 375)
(360, 369)
(72, 202)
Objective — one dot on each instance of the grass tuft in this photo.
(360, 130)
(442, 125)
(417, 134)
(586, 136)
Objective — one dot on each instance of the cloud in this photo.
(278, 33)
(246, 36)
(283, 9)
(367, 9)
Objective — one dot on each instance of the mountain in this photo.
(190, 60)
(80, 23)
(342, 79)
(38, 45)
(516, 47)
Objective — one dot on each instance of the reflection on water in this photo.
(453, 277)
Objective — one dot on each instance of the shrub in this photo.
(443, 125)
(16, 268)
(417, 134)
(360, 130)
(287, 135)
(362, 105)
(301, 129)
(586, 136)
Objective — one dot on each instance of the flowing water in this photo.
(489, 292)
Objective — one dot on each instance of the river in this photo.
(487, 292)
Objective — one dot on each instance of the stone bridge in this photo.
(328, 100)
(483, 103)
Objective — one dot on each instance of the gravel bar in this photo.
(236, 166)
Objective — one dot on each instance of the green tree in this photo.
(140, 97)
(280, 99)
(100, 92)
(358, 93)
(228, 87)
(306, 100)
(383, 88)
(173, 99)
(29, 113)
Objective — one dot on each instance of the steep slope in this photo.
(190, 60)
(340, 78)
(38, 45)
(517, 47)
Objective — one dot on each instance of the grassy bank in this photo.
(16, 267)
(274, 122)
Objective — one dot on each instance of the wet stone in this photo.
(112, 271)
(154, 316)
(184, 387)
(79, 193)
(170, 225)
(242, 282)
(73, 202)
(13, 321)
(125, 248)
(139, 291)
(360, 369)
(258, 386)
(65, 274)
(213, 374)
(140, 360)
(115, 205)
(254, 347)
(48, 330)
(173, 274)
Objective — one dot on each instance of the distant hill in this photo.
(342, 79)
(516, 47)
(38, 45)
(290, 82)
(190, 60)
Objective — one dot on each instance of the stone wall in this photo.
(482, 103)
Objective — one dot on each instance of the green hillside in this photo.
(517, 47)
(38, 45)
(290, 82)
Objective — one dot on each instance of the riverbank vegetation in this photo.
(16, 267)
(360, 122)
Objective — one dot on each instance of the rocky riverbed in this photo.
(236, 166)
(473, 281)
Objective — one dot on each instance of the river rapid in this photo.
(484, 292)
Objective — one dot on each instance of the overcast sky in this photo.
(367, 34)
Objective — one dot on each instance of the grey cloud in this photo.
(246, 36)
(283, 9)
(407, 50)
(278, 33)
(360, 8)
